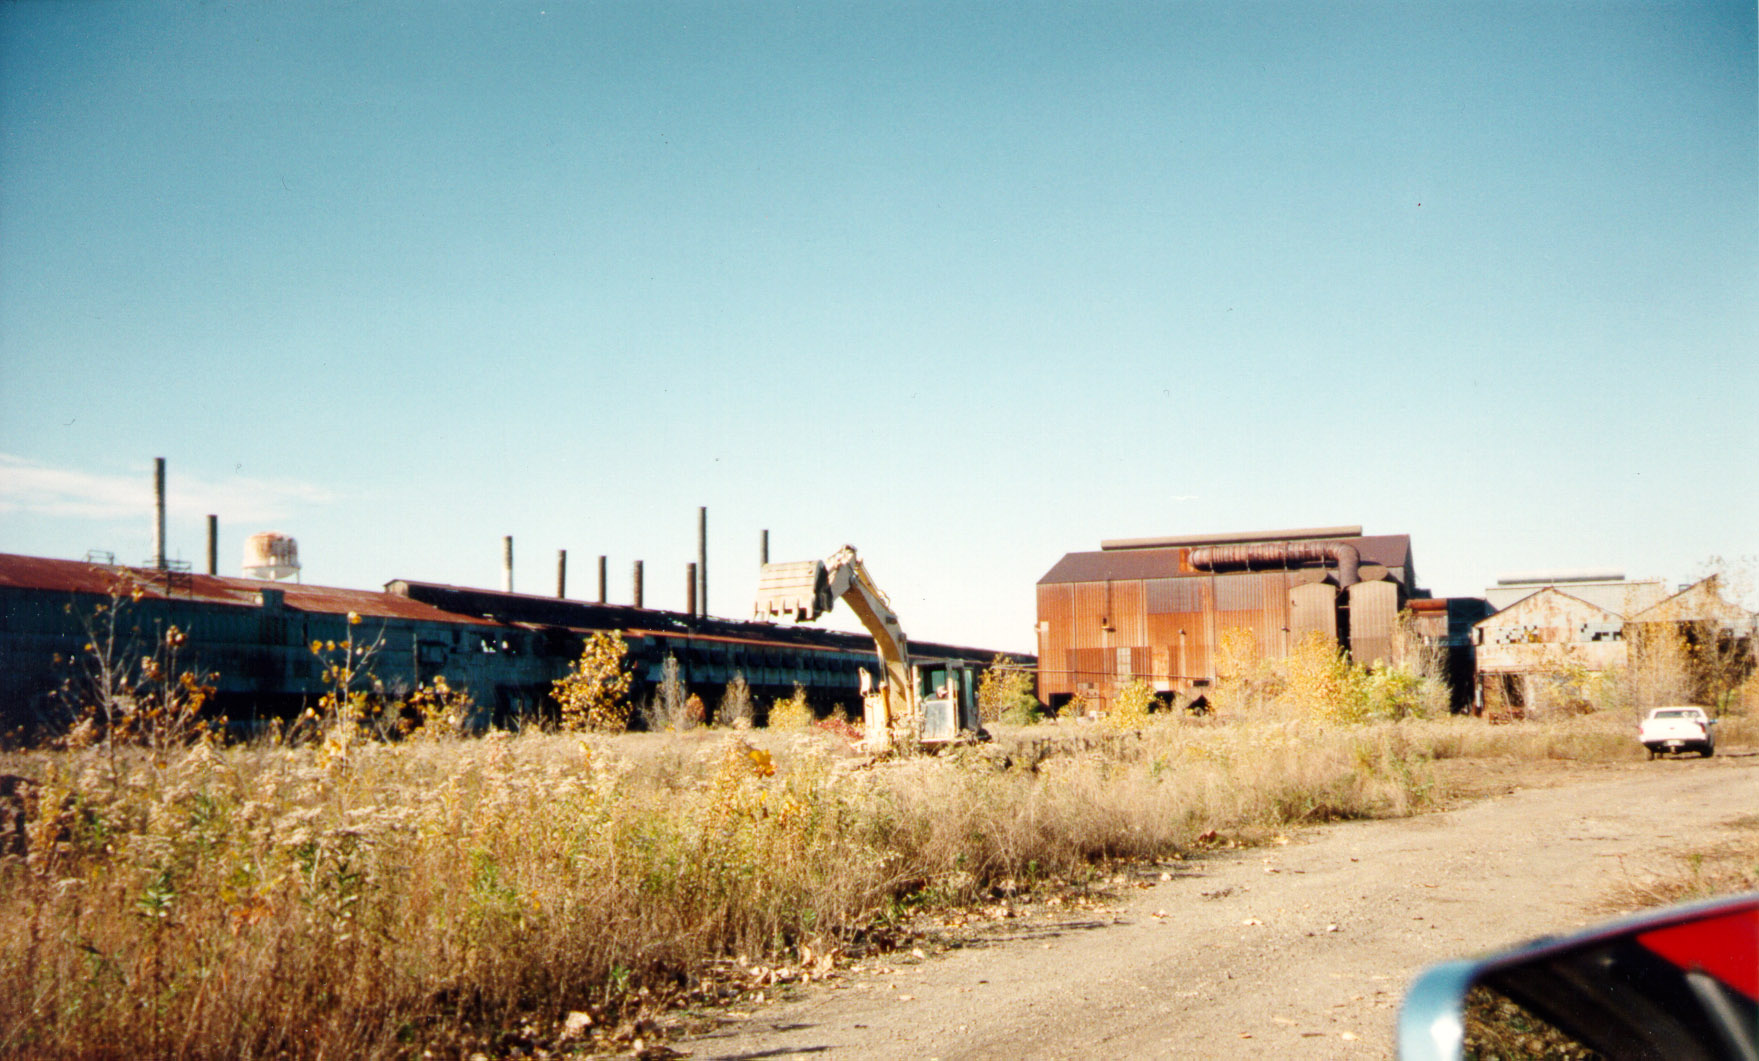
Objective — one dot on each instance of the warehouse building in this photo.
(1159, 609)
(504, 648)
(1560, 640)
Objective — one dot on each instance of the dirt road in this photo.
(1300, 950)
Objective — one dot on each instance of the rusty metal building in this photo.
(504, 648)
(1159, 608)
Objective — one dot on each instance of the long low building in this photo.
(504, 648)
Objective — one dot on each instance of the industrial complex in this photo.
(1165, 611)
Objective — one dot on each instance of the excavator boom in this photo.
(806, 590)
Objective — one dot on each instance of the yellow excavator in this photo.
(932, 703)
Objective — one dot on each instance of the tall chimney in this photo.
(763, 548)
(601, 580)
(159, 513)
(213, 544)
(507, 564)
(690, 590)
(561, 574)
(638, 583)
(702, 559)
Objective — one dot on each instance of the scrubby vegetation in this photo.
(375, 881)
(380, 898)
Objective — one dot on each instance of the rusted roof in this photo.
(531, 608)
(1117, 565)
(79, 576)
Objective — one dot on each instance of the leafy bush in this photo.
(793, 712)
(592, 693)
(1005, 693)
(1133, 704)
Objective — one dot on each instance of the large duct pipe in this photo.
(1280, 554)
(702, 560)
(507, 564)
(159, 513)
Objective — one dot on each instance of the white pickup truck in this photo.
(1678, 729)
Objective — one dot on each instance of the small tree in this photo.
(735, 707)
(592, 693)
(1004, 693)
(669, 706)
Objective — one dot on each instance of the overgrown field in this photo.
(382, 899)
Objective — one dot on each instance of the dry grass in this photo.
(1727, 867)
(379, 900)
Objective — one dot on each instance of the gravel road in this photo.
(1298, 950)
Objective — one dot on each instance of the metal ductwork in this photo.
(1269, 555)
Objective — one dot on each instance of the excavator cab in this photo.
(946, 696)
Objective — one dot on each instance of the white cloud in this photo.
(29, 486)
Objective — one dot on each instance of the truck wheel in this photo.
(1707, 751)
(1652, 754)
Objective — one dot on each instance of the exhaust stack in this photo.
(159, 513)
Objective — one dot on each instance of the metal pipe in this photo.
(213, 544)
(159, 513)
(690, 590)
(561, 574)
(602, 580)
(702, 559)
(1263, 555)
(507, 564)
(638, 583)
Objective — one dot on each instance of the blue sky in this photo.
(967, 285)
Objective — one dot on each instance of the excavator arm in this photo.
(806, 590)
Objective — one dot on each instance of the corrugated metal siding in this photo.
(1128, 613)
(1145, 612)
(1313, 607)
(1374, 609)
(1055, 616)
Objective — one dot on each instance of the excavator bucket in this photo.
(799, 591)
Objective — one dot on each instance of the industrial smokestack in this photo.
(602, 580)
(561, 574)
(763, 548)
(213, 544)
(507, 564)
(159, 513)
(701, 560)
(638, 583)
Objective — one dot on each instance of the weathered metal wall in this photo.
(1146, 610)
(1374, 612)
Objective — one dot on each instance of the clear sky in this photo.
(966, 285)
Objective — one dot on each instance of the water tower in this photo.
(272, 557)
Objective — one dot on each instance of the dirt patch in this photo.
(1301, 949)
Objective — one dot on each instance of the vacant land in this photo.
(561, 893)
(1300, 949)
